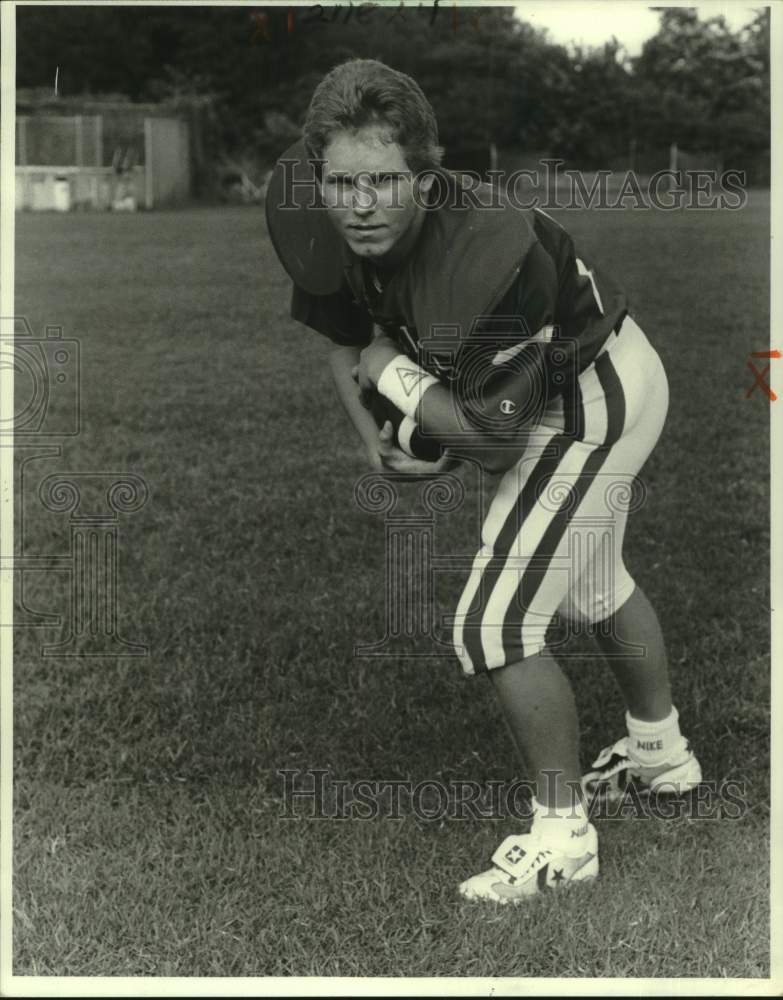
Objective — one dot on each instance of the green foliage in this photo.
(490, 76)
(595, 103)
(710, 85)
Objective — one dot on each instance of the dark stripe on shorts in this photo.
(545, 468)
(533, 577)
(574, 411)
(614, 396)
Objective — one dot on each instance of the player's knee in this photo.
(482, 646)
(588, 603)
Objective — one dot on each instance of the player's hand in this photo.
(390, 458)
(366, 391)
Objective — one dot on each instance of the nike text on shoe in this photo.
(614, 770)
(525, 864)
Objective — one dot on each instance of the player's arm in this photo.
(384, 456)
(331, 316)
(439, 412)
(342, 361)
(440, 415)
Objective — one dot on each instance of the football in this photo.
(418, 445)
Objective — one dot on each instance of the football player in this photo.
(547, 382)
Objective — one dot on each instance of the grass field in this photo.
(149, 831)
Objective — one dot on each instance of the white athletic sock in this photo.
(564, 828)
(651, 743)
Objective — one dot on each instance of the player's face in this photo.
(370, 194)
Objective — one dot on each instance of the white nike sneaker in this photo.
(613, 771)
(525, 864)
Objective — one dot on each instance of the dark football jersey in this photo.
(543, 331)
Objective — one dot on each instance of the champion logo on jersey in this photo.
(508, 406)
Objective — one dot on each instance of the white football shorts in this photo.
(553, 536)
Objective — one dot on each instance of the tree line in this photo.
(492, 78)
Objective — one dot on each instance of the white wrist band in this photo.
(403, 383)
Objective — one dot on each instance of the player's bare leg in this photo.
(643, 680)
(654, 755)
(538, 705)
(562, 846)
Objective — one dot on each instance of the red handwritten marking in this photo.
(759, 380)
(765, 354)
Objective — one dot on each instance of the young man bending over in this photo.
(553, 387)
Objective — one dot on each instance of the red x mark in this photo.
(759, 376)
